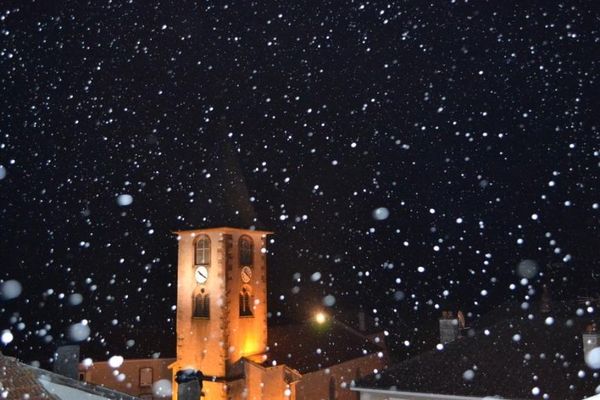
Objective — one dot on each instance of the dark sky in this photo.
(475, 124)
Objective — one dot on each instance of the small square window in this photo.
(145, 377)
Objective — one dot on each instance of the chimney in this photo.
(362, 325)
(66, 361)
(591, 339)
(448, 327)
(462, 322)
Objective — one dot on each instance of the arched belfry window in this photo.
(201, 304)
(246, 248)
(246, 301)
(202, 254)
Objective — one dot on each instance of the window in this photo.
(245, 302)
(145, 377)
(246, 247)
(202, 250)
(201, 304)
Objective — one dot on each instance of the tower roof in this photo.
(224, 229)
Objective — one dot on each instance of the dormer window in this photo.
(246, 253)
(202, 255)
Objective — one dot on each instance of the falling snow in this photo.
(410, 159)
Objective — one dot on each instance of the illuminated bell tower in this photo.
(221, 305)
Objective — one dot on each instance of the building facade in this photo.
(222, 314)
(137, 377)
(222, 332)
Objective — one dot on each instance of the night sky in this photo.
(474, 124)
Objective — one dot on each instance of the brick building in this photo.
(222, 331)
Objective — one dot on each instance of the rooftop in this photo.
(310, 346)
(225, 229)
(21, 381)
(522, 357)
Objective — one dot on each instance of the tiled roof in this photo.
(511, 359)
(20, 381)
(308, 347)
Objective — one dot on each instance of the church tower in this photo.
(221, 306)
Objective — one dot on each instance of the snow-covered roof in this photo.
(19, 381)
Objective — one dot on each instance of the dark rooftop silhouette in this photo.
(310, 346)
(509, 359)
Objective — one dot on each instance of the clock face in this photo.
(246, 274)
(201, 274)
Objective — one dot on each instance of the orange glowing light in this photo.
(320, 317)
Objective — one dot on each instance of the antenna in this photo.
(588, 300)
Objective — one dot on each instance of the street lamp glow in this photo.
(320, 317)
